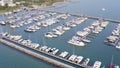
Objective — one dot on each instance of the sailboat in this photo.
(103, 9)
(111, 65)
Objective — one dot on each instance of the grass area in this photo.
(7, 9)
(38, 2)
(28, 3)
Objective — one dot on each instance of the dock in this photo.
(48, 54)
(36, 55)
(89, 17)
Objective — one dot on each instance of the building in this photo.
(8, 2)
(2, 3)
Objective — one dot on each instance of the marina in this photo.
(51, 13)
(78, 40)
(81, 36)
(114, 38)
(59, 64)
(90, 17)
(73, 59)
(93, 31)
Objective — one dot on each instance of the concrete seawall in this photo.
(36, 55)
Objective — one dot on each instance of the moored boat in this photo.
(97, 64)
(78, 59)
(63, 54)
(86, 61)
(2, 23)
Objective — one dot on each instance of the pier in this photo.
(42, 52)
(89, 17)
(36, 55)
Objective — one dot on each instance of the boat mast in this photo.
(1, 29)
(112, 60)
(44, 41)
(73, 50)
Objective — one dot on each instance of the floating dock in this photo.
(89, 17)
(36, 55)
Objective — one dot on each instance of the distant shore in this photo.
(54, 4)
(41, 7)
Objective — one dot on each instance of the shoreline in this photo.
(39, 7)
(56, 3)
(52, 5)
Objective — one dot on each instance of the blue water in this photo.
(96, 50)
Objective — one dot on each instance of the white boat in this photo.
(34, 45)
(82, 34)
(86, 40)
(48, 49)
(103, 9)
(15, 37)
(58, 31)
(32, 28)
(20, 40)
(48, 35)
(86, 61)
(63, 54)
(66, 28)
(2, 23)
(104, 23)
(116, 66)
(78, 59)
(43, 48)
(79, 43)
(97, 64)
(118, 47)
(72, 57)
(38, 24)
(13, 26)
(73, 25)
(55, 51)
(75, 42)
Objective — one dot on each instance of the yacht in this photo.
(75, 42)
(66, 28)
(43, 48)
(97, 64)
(17, 37)
(72, 57)
(72, 25)
(116, 66)
(55, 51)
(63, 54)
(34, 45)
(13, 26)
(86, 61)
(86, 40)
(82, 34)
(48, 35)
(104, 23)
(118, 47)
(2, 23)
(48, 49)
(78, 59)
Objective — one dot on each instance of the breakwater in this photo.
(36, 55)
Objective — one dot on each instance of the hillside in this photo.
(28, 3)
(39, 2)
